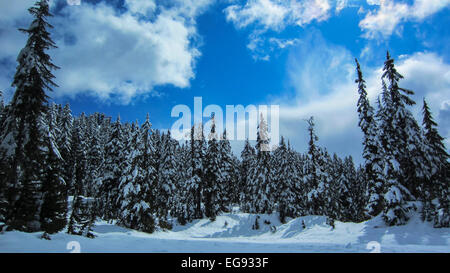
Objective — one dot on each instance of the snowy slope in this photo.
(233, 233)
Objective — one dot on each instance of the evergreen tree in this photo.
(407, 145)
(248, 157)
(323, 191)
(64, 142)
(108, 192)
(28, 206)
(196, 183)
(260, 184)
(437, 183)
(227, 176)
(134, 190)
(83, 217)
(3, 167)
(372, 153)
(339, 191)
(23, 142)
(284, 177)
(185, 207)
(149, 175)
(94, 156)
(130, 173)
(403, 147)
(352, 193)
(212, 175)
(79, 156)
(167, 179)
(54, 207)
(316, 177)
(300, 162)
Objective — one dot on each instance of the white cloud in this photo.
(141, 6)
(276, 14)
(390, 14)
(120, 56)
(323, 76)
(340, 5)
(265, 12)
(428, 76)
(373, 2)
(283, 43)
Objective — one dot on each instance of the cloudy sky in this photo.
(130, 57)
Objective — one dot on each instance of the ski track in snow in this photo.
(236, 235)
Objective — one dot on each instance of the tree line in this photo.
(145, 180)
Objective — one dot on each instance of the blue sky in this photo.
(130, 57)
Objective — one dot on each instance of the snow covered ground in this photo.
(233, 233)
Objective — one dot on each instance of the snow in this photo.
(233, 232)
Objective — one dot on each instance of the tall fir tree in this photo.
(184, 203)
(284, 177)
(248, 161)
(372, 150)
(53, 213)
(167, 179)
(227, 176)
(79, 157)
(25, 125)
(108, 192)
(65, 123)
(315, 175)
(197, 183)
(394, 205)
(404, 145)
(150, 174)
(212, 175)
(135, 185)
(436, 186)
(94, 156)
(260, 184)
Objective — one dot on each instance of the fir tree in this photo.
(248, 157)
(94, 157)
(79, 156)
(167, 179)
(261, 187)
(372, 153)
(25, 126)
(284, 177)
(403, 147)
(149, 174)
(352, 193)
(64, 141)
(185, 207)
(3, 167)
(54, 208)
(227, 176)
(83, 217)
(406, 142)
(212, 175)
(315, 176)
(437, 183)
(108, 192)
(134, 190)
(196, 183)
